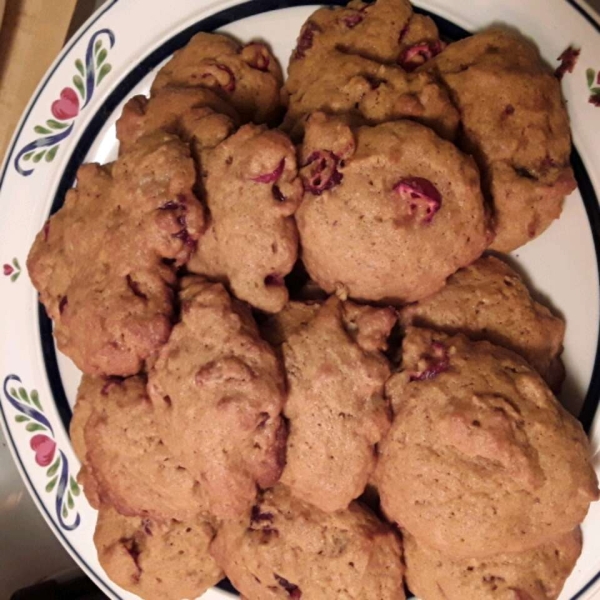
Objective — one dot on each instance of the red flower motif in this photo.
(44, 448)
(568, 60)
(67, 106)
(595, 99)
(7, 269)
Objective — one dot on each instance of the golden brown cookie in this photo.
(481, 458)
(389, 211)
(537, 574)
(285, 549)
(157, 560)
(252, 189)
(126, 463)
(515, 123)
(489, 301)
(218, 390)
(277, 328)
(247, 77)
(100, 262)
(335, 408)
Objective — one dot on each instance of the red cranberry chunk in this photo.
(352, 20)
(435, 362)
(306, 39)
(63, 304)
(420, 195)
(258, 516)
(220, 75)
(320, 173)
(134, 286)
(291, 588)
(418, 54)
(272, 175)
(110, 382)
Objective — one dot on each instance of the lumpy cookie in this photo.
(218, 389)
(371, 93)
(126, 463)
(389, 211)
(100, 263)
(537, 574)
(161, 560)
(335, 408)
(248, 77)
(277, 328)
(515, 122)
(481, 458)
(488, 300)
(252, 189)
(287, 549)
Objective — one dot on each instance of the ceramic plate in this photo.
(71, 119)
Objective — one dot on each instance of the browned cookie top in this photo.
(248, 77)
(335, 407)
(157, 560)
(481, 458)
(252, 190)
(285, 549)
(389, 211)
(537, 574)
(125, 462)
(488, 300)
(219, 391)
(515, 122)
(100, 262)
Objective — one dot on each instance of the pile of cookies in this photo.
(300, 370)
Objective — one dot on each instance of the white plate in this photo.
(112, 57)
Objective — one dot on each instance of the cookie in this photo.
(126, 463)
(287, 549)
(277, 328)
(156, 560)
(218, 391)
(100, 263)
(515, 123)
(481, 458)
(335, 409)
(252, 189)
(488, 300)
(389, 211)
(537, 574)
(369, 92)
(247, 77)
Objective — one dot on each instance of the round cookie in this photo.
(100, 263)
(389, 211)
(126, 463)
(537, 574)
(488, 300)
(335, 408)
(287, 549)
(247, 77)
(515, 123)
(481, 458)
(156, 560)
(252, 189)
(218, 390)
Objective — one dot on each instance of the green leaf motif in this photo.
(13, 393)
(52, 470)
(31, 427)
(15, 276)
(15, 263)
(35, 398)
(41, 130)
(79, 67)
(78, 83)
(595, 90)
(56, 124)
(51, 153)
(70, 502)
(65, 512)
(21, 419)
(50, 485)
(101, 57)
(97, 46)
(74, 486)
(104, 71)
(590, 74)
(23, 395)
(28, 155)
(39, 156)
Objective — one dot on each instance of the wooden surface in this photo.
(32, 34)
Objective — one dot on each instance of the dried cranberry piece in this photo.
(257, 516)
(186, 238)
(403, 31)
(272, 176)
(509, 109)
(63, 304)
(291, 588)
(320, 172)
(146, 526)
(257, 56)
(170, 205)
(416, 55)
(417, 191)
(568, 60)
(222, 75)
(437, 361)
(306, 39)
(134, 286)
(110, 382)
(46, 230)
(351, 21)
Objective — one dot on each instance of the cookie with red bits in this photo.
(389, 211)
(218, 391)
(489, 301)
(104, 264)
(156, 560)
(285, 549)
(251, 189)
(247, 77)
(537, 574)
(515, 123)
(481, 458)
(126, 464)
